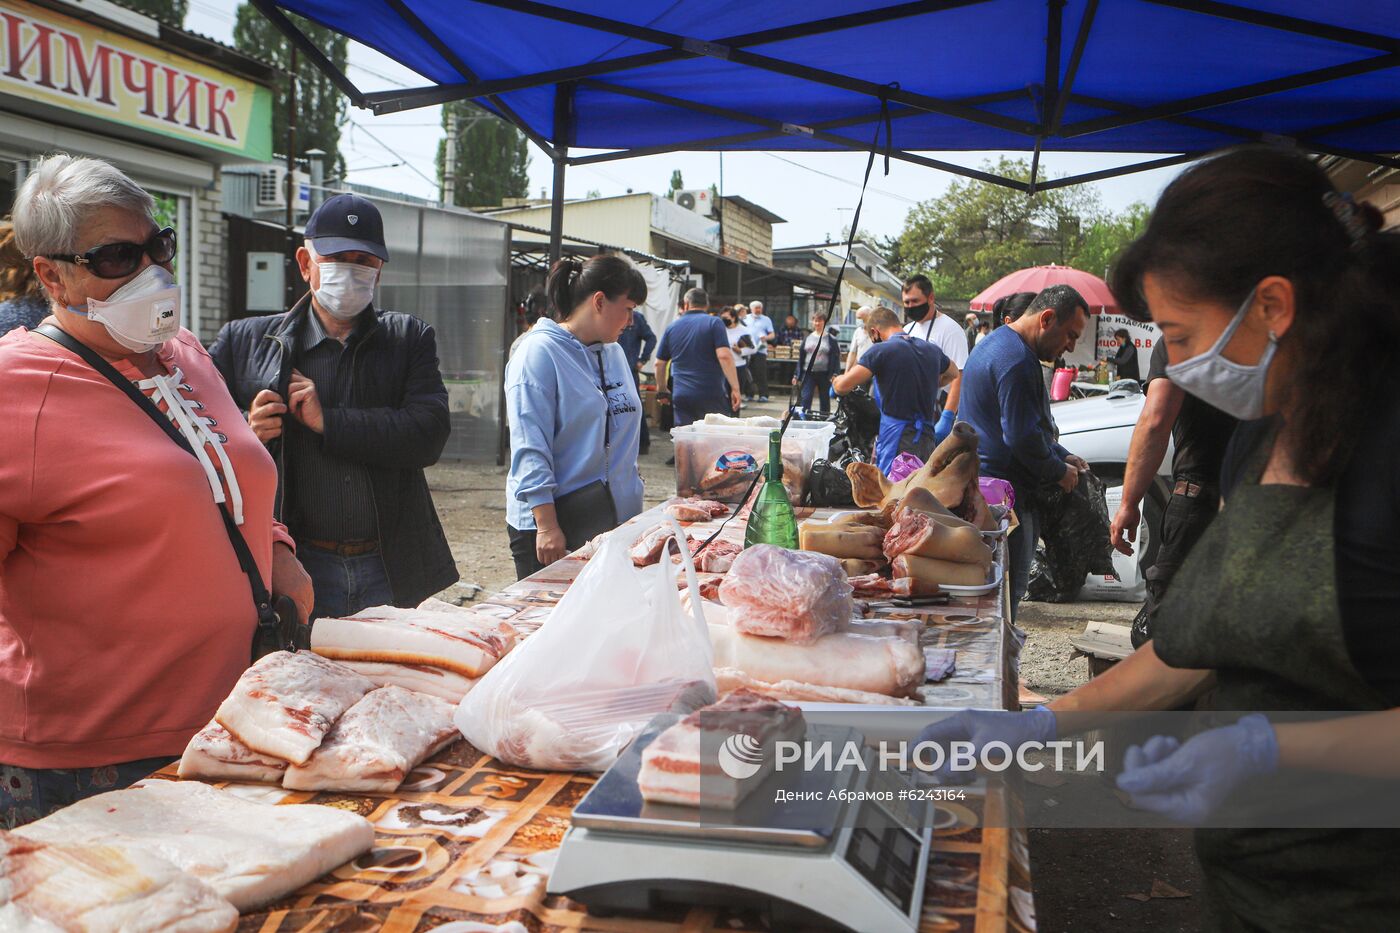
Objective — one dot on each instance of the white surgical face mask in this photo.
(142, 314)
(1234, 388)
(346, 289)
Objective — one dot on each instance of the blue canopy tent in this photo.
(640, 77)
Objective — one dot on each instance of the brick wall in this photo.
(745, 230)
(211, 249)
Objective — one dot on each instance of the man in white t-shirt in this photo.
(761, 327)
(926, 322)
(860, 341)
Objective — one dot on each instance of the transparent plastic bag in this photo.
(798, 596)
(617, 650)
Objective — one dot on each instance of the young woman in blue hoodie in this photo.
(575, 416)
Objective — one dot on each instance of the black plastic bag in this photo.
(828, 486)
(1074, 529)
(857, 425)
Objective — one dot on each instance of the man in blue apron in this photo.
(908, 374)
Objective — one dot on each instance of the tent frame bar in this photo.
(1054, 95)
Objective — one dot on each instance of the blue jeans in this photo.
(1020, 552)
(817, 383)
(26, 794)
(345, 585)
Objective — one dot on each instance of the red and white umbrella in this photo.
(1094, 289)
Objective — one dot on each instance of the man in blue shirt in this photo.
(1004, 398)
(637, 342)
(760, 327)
(695, 353)
(908, 373)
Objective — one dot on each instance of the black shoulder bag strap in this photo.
(278, 627)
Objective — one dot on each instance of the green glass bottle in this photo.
(772, 520)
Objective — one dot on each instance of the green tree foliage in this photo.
(492, 157)
(677, 183)
(170, 12)
(976, 232)
(320, 105)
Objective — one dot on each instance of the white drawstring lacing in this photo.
(184, 413)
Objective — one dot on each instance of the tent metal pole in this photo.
(1231, 96)
(1305, 27)
(563, 135)
(308, 48)
(1121, 170)
(1081, 39)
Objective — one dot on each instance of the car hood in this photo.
(1097, 414)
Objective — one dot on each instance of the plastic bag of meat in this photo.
(617, 650)
(795, 595)
(693, 509)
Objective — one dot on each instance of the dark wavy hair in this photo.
(570, 281)
(1011, 306)
(1249, 213)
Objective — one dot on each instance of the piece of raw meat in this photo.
(434, 681)
(650, 543)
(250, 853)
(676, 769)
(925, 535)
(287, 701)
(695, 509)
(792, 691)
(215, 755)
(872, 586)
(886, 665)
(376, 743)
(48, 888)
(466, 643)
(798, 596)
(717, 558)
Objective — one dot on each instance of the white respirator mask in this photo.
(142, 314)
(346, 289)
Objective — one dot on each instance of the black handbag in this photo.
(279, 628)
(588, 512)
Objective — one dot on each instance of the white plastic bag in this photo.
(617, 650)
(1127, 584)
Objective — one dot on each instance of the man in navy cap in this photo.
(350, 402)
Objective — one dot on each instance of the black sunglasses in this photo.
(117, 260)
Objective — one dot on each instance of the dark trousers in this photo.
(645, 445)
(758, 365)
(818, 382)
(522, 551)
(1185, 520)
(745, 382)
(27, 794)
(345, 585)
(1020, 553)
(688, 408)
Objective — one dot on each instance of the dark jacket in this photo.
(638, 340)
(1125, 358)
(396, 427)
(836, 364)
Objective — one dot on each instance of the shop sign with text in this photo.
(52, 58)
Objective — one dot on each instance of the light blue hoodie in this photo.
(556, 411)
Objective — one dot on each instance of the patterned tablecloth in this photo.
(466, 843)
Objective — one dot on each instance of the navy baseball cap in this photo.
(347, 222)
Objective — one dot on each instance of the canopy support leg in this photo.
(563, 136)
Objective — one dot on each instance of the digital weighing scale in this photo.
(860, 865)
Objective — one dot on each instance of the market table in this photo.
(466, 843)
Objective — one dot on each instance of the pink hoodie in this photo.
(124, 616)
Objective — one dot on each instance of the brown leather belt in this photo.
(344, 548)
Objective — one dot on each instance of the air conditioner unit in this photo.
(272, 188)
(698, 200)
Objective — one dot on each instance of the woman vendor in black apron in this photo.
(1278, 301)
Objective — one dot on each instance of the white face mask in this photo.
(142, 314)
(347, 288)
(1234, 388)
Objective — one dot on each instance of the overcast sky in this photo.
(816, 193)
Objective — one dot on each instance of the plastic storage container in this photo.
(718, 461)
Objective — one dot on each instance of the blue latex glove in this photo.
(982, 726)
(1187, 782)
(944, 426)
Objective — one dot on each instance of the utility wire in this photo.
(844, 181)
(391, 152)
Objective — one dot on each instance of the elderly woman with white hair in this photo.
(126, 613)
